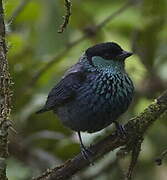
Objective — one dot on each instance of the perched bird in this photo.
(94, 92)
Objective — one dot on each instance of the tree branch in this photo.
(5, 97)
(135, 128)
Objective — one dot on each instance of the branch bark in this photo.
(5, 98)
(66, 18)
(135, 129)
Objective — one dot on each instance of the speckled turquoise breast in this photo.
(105, 95)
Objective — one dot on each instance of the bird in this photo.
(94, 92)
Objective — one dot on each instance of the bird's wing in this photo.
(65, 90)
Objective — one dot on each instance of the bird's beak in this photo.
(125, 54)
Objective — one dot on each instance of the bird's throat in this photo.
(102, 64)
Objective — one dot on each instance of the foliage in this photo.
(42, 141)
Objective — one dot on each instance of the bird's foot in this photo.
(121, 131)
(87, 154)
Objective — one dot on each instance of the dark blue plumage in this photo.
(95, 91)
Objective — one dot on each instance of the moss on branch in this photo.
(5, 98)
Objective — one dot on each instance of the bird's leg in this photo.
(120, 129)
(85, 151)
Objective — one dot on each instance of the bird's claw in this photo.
(87, 154)
(121, 131)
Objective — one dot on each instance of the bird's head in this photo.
(106, 55)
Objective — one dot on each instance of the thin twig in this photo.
(161, 157)
(66, 18)
(135, 154)
(135, 127)
(18, 10)
(115, 14)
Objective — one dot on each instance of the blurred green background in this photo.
(33, 42)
